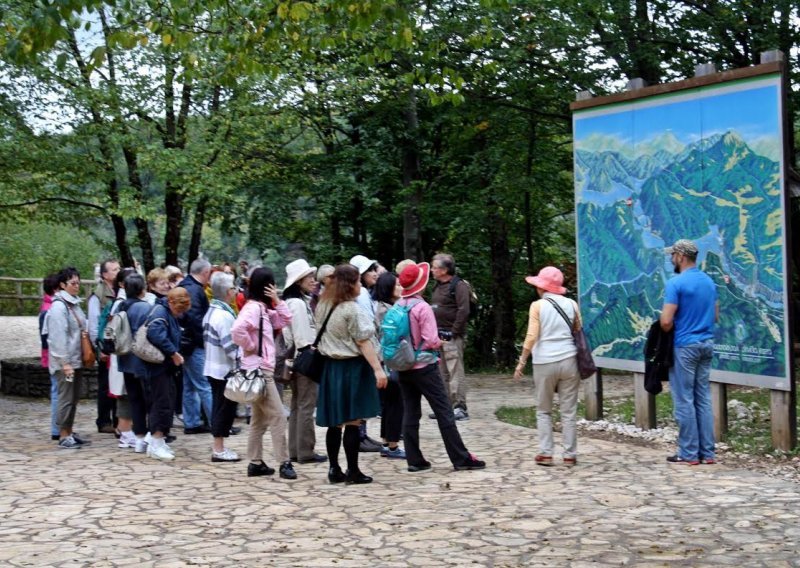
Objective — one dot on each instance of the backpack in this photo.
(102, 324)
(473, 297)
(396, 344)
(116, 334)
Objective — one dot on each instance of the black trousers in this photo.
(222, 409)
(391, 410)
(428, 382)
(162, 400)
(106, 405)
(138, 399)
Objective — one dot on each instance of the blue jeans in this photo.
(196, 390)
(54, 431)
(691, 397)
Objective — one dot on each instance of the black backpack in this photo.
(473, 297)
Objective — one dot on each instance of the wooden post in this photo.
(593, 396)
(719, 406)
(784, 419)
(644, 404)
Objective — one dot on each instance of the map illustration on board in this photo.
(704, 165)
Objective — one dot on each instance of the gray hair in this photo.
(221, 282)
(199, 266)
(447, 262)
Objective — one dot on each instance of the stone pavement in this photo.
(621, 506)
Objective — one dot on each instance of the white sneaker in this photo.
(226, 455)
(127, 440)
(159, 450)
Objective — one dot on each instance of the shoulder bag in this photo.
(248, 386)
(309, 361)
(142, 347)
(586, 366)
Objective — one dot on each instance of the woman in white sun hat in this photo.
(299, 335)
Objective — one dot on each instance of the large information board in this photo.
(702, 163)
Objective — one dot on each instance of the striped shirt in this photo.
(221, 352)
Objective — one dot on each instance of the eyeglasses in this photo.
(74, 283)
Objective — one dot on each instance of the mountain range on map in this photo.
(717, 192)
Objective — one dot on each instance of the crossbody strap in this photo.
(324, 325)
(560, 311)
(70, 310)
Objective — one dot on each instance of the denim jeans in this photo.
(691, 397)
(196, 390)
(54, 431)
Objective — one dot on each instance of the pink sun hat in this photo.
(549, 279)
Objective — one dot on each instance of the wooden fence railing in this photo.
(21, 296)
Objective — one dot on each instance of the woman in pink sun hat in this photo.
(555, 366)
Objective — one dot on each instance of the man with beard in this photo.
(691, 308)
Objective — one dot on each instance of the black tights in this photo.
(334, 440)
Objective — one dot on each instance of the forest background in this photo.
(158, 130)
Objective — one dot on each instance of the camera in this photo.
(445, 335)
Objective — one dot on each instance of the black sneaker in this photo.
(235, 430)
(369, 445)
(55, 437)
(169, 438)
(81, 441)
(197, 430)
(287, 471)
(471, 463)
(315, 458)
(424, 466)
(259, 469)
(680, 460)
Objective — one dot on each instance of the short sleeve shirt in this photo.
(696, 296)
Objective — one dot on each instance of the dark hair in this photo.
(50, 284)
(383, 291)
(259, 279)
(343, 285)
(122, 275)
(134, 285)
(104, 265)
(66, 273)
(372, 267)
(293, 291)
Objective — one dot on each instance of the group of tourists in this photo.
(209, 324)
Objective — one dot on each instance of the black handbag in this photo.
(309, 361)
(586, 366)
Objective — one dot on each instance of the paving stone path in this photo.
(621, 506)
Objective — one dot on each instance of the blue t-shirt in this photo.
(696, 296)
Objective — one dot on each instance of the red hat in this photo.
(549, 279)
(414, 278)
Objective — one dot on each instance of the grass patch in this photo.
(749, 426)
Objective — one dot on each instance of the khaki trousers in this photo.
(562, 376)
(302, 431)
(451, 367)
(268, 413)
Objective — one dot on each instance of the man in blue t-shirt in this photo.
(691, 309)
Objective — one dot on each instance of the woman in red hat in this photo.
(423, 379)
(555, 367)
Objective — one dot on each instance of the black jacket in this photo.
(192, 320)
(658, 357)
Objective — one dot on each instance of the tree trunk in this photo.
(197, 229)
(527, 197)
(412, 225)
